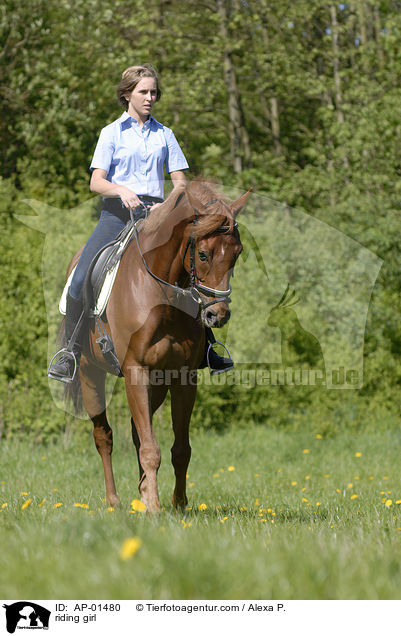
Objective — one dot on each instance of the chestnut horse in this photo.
(172, 281)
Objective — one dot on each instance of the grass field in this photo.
(272, 515)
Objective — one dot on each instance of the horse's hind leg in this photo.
(93, 395)
(182, 402)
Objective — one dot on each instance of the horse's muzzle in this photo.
(216, 316)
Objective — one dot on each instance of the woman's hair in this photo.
(131, 77)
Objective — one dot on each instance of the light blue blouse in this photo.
(134, 156)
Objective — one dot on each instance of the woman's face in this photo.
(142, 98)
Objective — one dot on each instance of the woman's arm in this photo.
(178, 177)
(100, 185)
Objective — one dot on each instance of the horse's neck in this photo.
(164, 259)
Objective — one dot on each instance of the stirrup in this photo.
(61, 378)
(217, 371)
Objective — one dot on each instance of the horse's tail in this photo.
(72, 390)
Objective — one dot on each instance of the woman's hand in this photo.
(129, 198)
(101, 185)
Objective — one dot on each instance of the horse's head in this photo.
(212, 248)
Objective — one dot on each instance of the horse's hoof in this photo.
(114, 501)
(179, 504)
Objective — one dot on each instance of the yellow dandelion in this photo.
(57, 505)
(243, 508)
(192, 484)
(383, 500)
(202, 507)
(189, 508)
(26, 504)
(388, 503)
(358, 454)
(371, 477)
(256, 474)
(216, 475)
(25, 494)
(307, 477)
(294, 483)
(354, 496)
(304, 499)
(263, 520)
(231, 468)
(43, 458)
(398, 502)
(318, 503)
(269, 510)
(222, 470)
(305, 451)
(185, 524)
(256, 502)
(110, 509)
(55, 489)
(388, 492)
(223, 519)
(138, 506)
(350, 485)
(4, 505)
(303, 489)
(318, 436)
(42, 502)
(130, 547)
(187, 475)
(338, 490)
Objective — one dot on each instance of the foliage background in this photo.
(299, 99)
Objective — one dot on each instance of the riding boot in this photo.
(216, 363)
(65, 367)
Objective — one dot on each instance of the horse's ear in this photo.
(237, 206)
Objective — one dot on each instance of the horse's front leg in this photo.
(182, 402)
(139, 399)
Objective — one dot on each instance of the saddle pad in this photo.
(104, 295)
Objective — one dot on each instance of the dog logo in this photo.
(26, 615)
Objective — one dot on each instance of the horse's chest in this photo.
(167, 352)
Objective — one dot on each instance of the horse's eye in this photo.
(203, 256)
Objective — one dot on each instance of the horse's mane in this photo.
(217, 213)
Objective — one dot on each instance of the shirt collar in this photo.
(125, 120)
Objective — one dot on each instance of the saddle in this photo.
(97, 289)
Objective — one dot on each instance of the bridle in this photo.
(196, 289)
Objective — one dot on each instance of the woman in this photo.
(127, 170)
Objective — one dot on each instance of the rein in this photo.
(196, 288)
